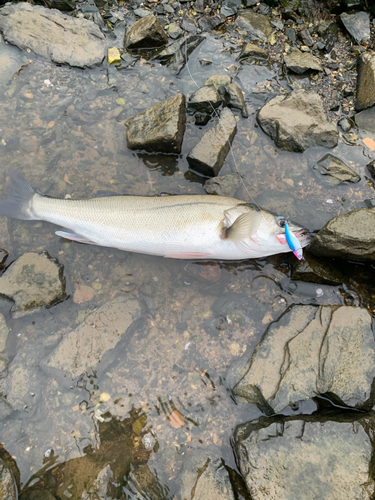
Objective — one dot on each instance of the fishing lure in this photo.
(293, 242)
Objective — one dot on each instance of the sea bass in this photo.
(180, 227)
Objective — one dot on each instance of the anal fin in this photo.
(71, 235)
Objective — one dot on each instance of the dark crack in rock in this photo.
(316, 270)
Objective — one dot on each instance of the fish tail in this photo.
(19, 204)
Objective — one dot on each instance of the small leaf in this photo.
(370, 143)
(176, 420)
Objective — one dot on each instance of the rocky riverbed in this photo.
(130, 376)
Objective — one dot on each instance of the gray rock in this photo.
(306, 459)
(8, 488)
(311, 351)
(334, 171)
(257, 26)
(145, 33)
(300, 62)
(168, 9)
(298, 122)
(206, 99)
(140, 12)
(174, 56)
(83, 348)
(53, 35)
(218, 80)
(357, 25)
(306, 38)
(349, 236)
(314, 270)
(251, 75)
(209, 23)
(5, 409)
(371, 168)
(252, 52)
(158, 129)
(232, 97)
(174, 31)
(365, 119)
(188, 25)
(223, 185)
(345, 124)
(230, 7)
(208, 156)
(328, 31)
(365, 94)
(33, 281)
(4, 332)
(291, 34)
(277, 23)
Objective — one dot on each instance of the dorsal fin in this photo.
(244, 226)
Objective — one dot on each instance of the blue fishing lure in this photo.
(293, 243)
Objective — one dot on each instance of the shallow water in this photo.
(63, 129)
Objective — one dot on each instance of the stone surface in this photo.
(300, 62)
(230, 7)
(357, 25)
(223, 185)
(205, 100)
(174, 31)
(232, 97)
(208, 156)
(33, 281)
(4, 332)
(174, 56)
(365, 119)
(313, 350)
(349, 236)
(371, 168)
(53, 35)
(298, 122)
(251, 75)
(209, 23)
(160, 128)
(8, 488)
(83, 348)
(365, 93)
(218, 80)
(316, 270)
(257, 26)
(252, 52)
(334, 171)
(145, 33)
(299, 458)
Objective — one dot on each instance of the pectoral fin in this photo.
(245, 226)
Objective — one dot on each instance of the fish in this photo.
(293, 242)
(175, 226)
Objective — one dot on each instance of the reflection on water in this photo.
(164, 393)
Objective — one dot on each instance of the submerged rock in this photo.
(298, 122)
(53, 35)
(251, 75)
(159, 129)
(223, 185)
(313, 350)
(175, 55)
(334, 171)
(357, 25)
(208, 156)
(218, 80)
(83, 348)
(365, 94)
(232, 97)
(349, 236)
(8, 488)
(205, 100)
(365, 119)
(300, 62)
(33, 281)
(307, 458)
(145, 33)
(258, 26)
(314, 270)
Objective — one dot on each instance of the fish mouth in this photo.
(304, 236)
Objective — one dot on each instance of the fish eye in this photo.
(281, 221)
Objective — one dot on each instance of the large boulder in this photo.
(146, 33)
(365, 94)
(313, 350)
(159, 129)
(358, 26)
(53, 35)
(298, 122)
(257, 26)
(349, 236)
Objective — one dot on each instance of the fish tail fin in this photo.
(18, 205)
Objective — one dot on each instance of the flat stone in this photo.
(174, 56)
(232, 97)
(253, 52)
(223, 185)
(141, 12)
(311, 351)
(145, 33)
(230, 7)
(205, 100)
(83, 348)
(218, 80)
(365, 94)
(53, 35)
(301, 62)
(257, 26)
(334, 171)
(174, 31)
(357, 25)
(350, 236)
(316, 270)
(251, 75)
(208, 156)
(33, 281)
(365, 119)
(159, 129)
(298, 122)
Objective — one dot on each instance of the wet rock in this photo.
(201, 119)
(84, 347)
(33, 281)
(345, 124)
(188, 25)
(3, 257)
(53, 35)
(224, 185)
(174, 31)
(365, 94)
(160, 128)
(291, 34)
(334, 171)
(208, 156)
(314, 270)
(206, 99)
(349, 236)
(357, 25)
(328, 31)
(218, 80)
(140, 12)
(145, 33)
(4, 332)
(232, 97)
(251, 75)
(230, 7)
(5, 409)
(365, 119)
(300, 62)
(306, 458)
(99, 489)
(63, 5)
(8, 488)
(209, 23)
(174, 56)
(306, 38)
(257, 26)
(251, 52)
(371, 168)
(298, 122)
(302, 353)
